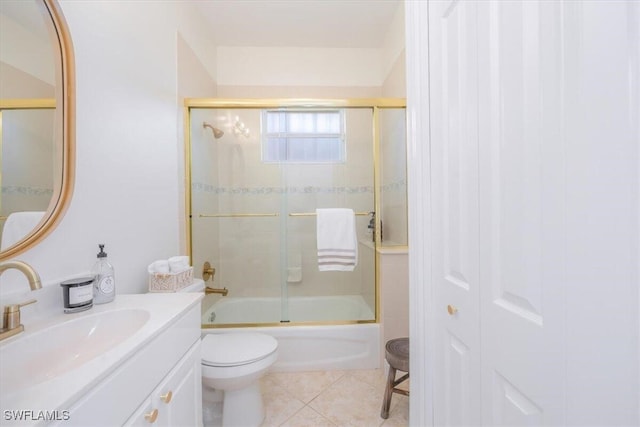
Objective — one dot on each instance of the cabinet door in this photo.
(179, 397)
(145, 415)
(177, 401)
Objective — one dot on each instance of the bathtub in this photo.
(306, 347)
(234, 310)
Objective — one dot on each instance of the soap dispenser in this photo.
(104, 286)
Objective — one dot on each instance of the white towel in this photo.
(17, 226)
(337, 240)
(178, 264)
(160, 266)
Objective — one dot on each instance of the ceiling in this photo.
(299, 23)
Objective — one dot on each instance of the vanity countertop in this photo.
(32, 385)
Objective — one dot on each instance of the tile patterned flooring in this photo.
(330, 399)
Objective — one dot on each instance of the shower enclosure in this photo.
(28, 170)
(257, 171)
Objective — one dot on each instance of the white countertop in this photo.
(60, 392)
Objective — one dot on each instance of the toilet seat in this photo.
(236, 349)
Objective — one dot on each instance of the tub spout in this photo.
(223, 291)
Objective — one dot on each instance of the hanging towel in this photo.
(337, 241)
(17, 226)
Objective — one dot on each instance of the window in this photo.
(303, 136)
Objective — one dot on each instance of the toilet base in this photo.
(243, 407)
(212, 414)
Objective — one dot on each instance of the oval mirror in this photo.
(36, 122)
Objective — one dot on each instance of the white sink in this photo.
(31, 359)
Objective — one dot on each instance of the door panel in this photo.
(516, 159)
(457, 372)
(522, 213)
(455, 178)
(512, 407)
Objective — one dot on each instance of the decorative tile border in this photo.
(207, 188)
(26, 191)
(199, 187)
(400, 185)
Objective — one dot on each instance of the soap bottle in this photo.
(104, 286)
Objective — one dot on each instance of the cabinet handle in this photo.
(166, 398)
(452, 310)
(151, 416)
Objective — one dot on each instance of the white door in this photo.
(455, 213)
(534, 109)
(522, 213)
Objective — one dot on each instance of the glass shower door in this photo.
(257, 176)
(235, 215)
(346, 182)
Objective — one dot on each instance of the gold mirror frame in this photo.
(66, 101)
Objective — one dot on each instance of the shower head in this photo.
(217, 133)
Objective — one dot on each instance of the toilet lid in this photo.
(234, 349)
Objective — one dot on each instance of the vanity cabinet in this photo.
(177, 400)
(140, 386)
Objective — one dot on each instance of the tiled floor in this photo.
(330, 399)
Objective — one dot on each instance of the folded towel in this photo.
(161, 266)
(337, 239)
(17, 226)
(178, 264)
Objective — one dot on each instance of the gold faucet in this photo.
(223, 291)
(209, 272)
(26, 269)
(11, 314)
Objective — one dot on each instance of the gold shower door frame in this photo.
(375, 104)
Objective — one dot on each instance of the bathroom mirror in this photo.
(36, 122)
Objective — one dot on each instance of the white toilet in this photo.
(234, 364)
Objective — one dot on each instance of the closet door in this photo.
(535, 204)
(498, 212)
(454, 168)
(522, 213)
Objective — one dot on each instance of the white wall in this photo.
(295, 66)
(317, 69)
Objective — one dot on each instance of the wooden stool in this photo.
(397, 355)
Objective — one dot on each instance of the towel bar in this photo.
(237, 215)
(314, 214)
